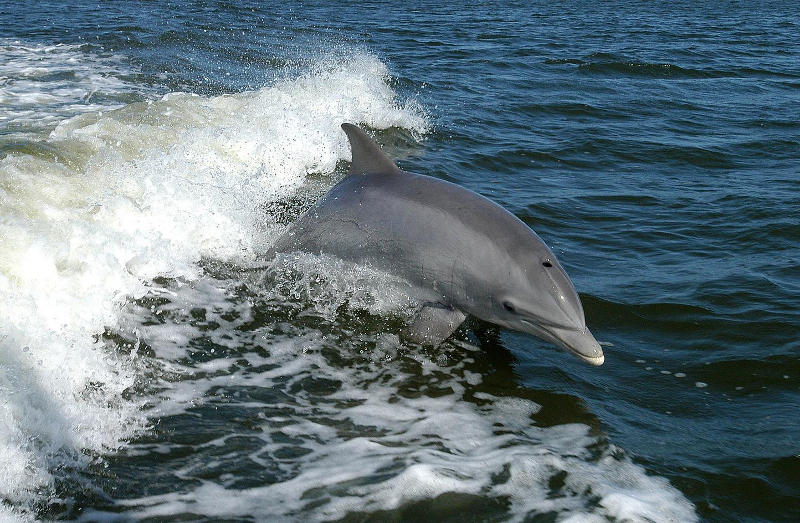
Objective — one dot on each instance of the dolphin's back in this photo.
(427, 230)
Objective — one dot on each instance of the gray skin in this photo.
(465, 253)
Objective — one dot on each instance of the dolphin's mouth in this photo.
(592, 360)
(581, 343)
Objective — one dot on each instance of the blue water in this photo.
(653, 146)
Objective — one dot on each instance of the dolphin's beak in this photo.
(579, 342)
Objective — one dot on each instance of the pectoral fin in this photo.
(433, 324)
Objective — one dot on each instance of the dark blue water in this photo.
(653, 146)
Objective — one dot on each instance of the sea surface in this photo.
(154, 366)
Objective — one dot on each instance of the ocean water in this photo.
(153, 369)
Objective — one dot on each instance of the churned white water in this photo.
(324, 425)
(42, 84)
(115, 196)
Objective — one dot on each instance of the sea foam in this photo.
(326, 425)
(114, 196)
(42, 84)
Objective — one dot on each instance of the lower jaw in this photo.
(547, 336)
(591, 360)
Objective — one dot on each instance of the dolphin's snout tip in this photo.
(586, 347)
(594, 360)
(582, 344)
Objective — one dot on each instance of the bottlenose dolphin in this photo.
(467, 254)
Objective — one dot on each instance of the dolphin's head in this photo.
(539, 298)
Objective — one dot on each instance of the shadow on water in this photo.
(501, 378)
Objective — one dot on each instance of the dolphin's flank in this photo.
(466, 254)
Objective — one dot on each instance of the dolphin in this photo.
(465, 253)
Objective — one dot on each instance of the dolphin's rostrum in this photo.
(467, 254)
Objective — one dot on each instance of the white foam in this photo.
(373, 444)
(112, 199)
(41, 84)
(330, 283)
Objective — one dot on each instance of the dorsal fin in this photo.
(367, 155)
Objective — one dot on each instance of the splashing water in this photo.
(113, 198)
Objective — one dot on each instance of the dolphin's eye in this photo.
(510, 308)
(547, 263)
